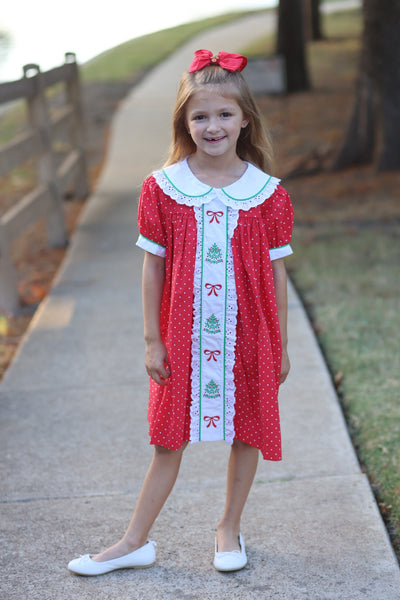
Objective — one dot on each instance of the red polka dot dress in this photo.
(219, 319)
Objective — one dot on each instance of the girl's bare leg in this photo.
(241, 471)
(157, 486)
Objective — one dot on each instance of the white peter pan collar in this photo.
(251, 189)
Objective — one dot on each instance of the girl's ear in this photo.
(245, 122)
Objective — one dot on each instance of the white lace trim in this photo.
(229, 196)
(233, 217)
(231, 316)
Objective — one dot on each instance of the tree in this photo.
(375, 120)
(312, 20)
(212, 390)
(315, 20)
(214, 254)
(389, 84)
(291, 44)
(212, 325)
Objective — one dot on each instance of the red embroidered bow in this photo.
(211, 420)
(212, 354)
(226, 60)
(214, 215)
(213, 287)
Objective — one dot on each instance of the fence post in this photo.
(40, 119)
(74, 98)
(9, 299)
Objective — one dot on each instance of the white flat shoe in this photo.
(143, 557)
(231, 561)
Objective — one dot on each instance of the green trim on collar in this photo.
(250, 197)
(184, 193)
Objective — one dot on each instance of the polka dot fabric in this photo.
(258, 346)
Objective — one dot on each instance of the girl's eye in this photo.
(225, 115)
(199, 117)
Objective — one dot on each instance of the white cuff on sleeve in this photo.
(150, 246)
(281, 252)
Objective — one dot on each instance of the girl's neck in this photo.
(217, 172)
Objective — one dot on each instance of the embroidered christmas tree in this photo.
(214, 254)
(212, 325)
(212, 390)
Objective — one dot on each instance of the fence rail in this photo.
(39, 142)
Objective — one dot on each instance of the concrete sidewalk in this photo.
(74, 445)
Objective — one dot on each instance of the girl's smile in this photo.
(212, 140)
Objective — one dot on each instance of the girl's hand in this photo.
(156, 362)
(285, 368)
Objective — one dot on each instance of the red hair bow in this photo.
(226, 60)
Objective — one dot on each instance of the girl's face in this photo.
(214, 122)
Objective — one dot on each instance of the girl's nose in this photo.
(212, 125)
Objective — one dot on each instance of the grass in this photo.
(346, 265)
(348, 277)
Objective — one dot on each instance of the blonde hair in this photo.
(253, 145)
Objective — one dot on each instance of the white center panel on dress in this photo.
(214, 326)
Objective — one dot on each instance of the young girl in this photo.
(215, 229)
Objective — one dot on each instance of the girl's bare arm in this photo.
(156, 357)
(280, 284)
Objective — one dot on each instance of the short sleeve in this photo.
(152, 236)
(279, 220)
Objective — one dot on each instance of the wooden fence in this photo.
(39, 142)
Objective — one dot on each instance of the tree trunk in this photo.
(389, 83)
(316, 29)
(376, 117)
(359, 142)
(358, 147)
(291, 44)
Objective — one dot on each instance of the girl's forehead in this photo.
(213, 95)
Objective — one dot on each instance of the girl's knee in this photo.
(243, 447)
(163, 451)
